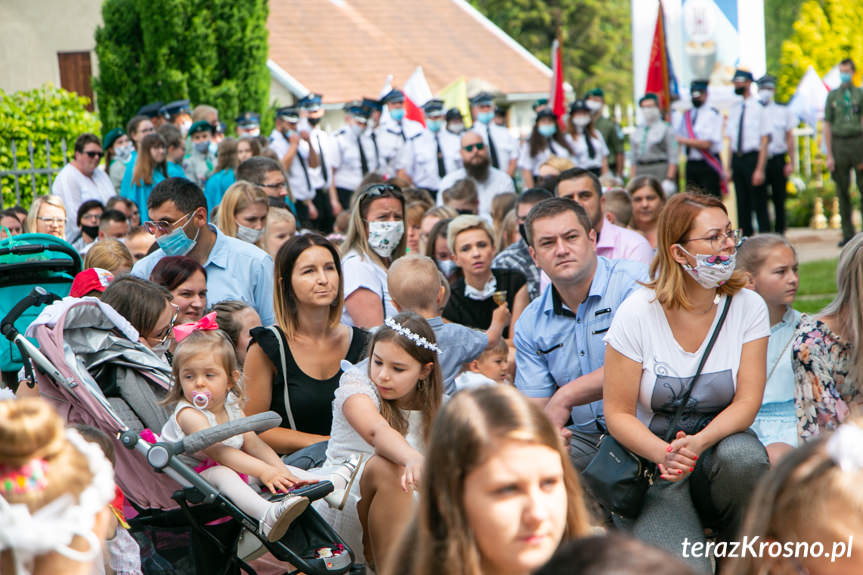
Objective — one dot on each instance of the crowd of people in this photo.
(451, 324)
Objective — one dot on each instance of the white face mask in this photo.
(651, 115)
(385, 236)
(580, 121)
(250, 235)
(357, 129)
(765, 96)
(711, 271)
(594, 106)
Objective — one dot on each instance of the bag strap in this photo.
(676, 419)
(283, 356)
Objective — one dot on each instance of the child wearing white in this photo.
(490, 368)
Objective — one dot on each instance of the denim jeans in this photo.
(308, 457)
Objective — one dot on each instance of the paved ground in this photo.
(815, 244)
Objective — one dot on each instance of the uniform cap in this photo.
(200, 126)
(111, 137)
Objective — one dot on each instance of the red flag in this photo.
(557, 103)
(417, 93)
(657, 70)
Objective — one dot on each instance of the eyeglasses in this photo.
(91, 217)
(56, 221)
(163, 227)
(478, 146)
(276, 186)
(166, 333)
(93, 154)
(718, 239)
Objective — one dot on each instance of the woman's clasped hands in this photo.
(680, 457)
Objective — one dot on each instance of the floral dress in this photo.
(823, 392)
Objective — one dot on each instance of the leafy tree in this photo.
(825, 32)
(596, 38)
(209, 51)
(778, 27)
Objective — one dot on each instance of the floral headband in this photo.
(414, 337)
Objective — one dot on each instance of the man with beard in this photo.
(489, 181)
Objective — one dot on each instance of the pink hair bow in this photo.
(206, 323)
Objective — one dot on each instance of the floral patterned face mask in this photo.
(711, 271)
(385, 236)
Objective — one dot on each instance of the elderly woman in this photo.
(709, 461)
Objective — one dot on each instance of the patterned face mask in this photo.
(385, 236)
(711, 271)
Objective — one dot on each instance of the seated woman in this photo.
(481, 292)
(376, 236)
(293, 368)
(498, 493)
(648, 200)
(39, 533)
(657, 339)
(186, 279)
(825, 353)
(47, 215)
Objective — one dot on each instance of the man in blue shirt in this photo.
(235, 269)
(558, 338)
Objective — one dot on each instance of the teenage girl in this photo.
(770, 264)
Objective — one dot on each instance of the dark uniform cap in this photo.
(175, 108)
(200, 126)
(248, 119)
(433, 107)
(649, 96)
(596, 92)
(454, 114)
(742, 76)
(393, 96)
(150, 110)
(111, 137)
(289, 114)
(767, 81)
(699, 86)
(579, 106)
(372, 105)
(482, 99)
(540, 103)
(545, 113)
(311, 102)
(357, 109)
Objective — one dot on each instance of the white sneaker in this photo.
(280, 516)
(345, 474)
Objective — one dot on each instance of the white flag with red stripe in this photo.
(417, 94)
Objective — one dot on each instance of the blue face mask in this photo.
(845, 77)
(547, 130)
(397, 114)
(202, 147)
(485, 117)
(434, 125)
(177, 243)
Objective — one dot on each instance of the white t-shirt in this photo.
(640, 331)
(360, 271)
(74, 188)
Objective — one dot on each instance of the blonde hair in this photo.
(501, 205)
(33, 214)
(507, 227)
(466, 433)
(357, 236)
(805, 498)
(618, 202)
(214, 344)
(414, 283)
(675, 221)
(558, 163)
(847, 307)
(414, 213)
(109, 254)
(464, 223)
(752, 253)
(237, 198)
(276, 215)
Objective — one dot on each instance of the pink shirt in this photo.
(615, 243)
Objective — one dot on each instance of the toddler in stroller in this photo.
(177, 507)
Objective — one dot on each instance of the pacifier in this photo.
(201, 399)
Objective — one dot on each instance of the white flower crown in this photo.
(414, 337)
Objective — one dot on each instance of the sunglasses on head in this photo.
(478, 146)
(93, 154)
(378, 190)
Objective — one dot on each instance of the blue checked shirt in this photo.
(554, 346)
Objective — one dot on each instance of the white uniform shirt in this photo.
(301, 188)
(345, 161)
(532, 163)
(392, 137)
(706, 125)
(780, 119)
(418, 158)
(451, 145)
(505, 144)
(323, 144)
(497, 182)
(74, 188)
(581, 155)
(755, 125)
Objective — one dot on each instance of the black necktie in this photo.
(492, 149)
(377, 155)
(363, 162)
(441, 168)
(323, 159)
(740, 129)
(402, 132)
(305, 170)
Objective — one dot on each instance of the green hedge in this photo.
(47, 113)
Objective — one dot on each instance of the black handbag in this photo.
(617, 478)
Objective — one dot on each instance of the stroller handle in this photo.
(36, 297)
(212, 435)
